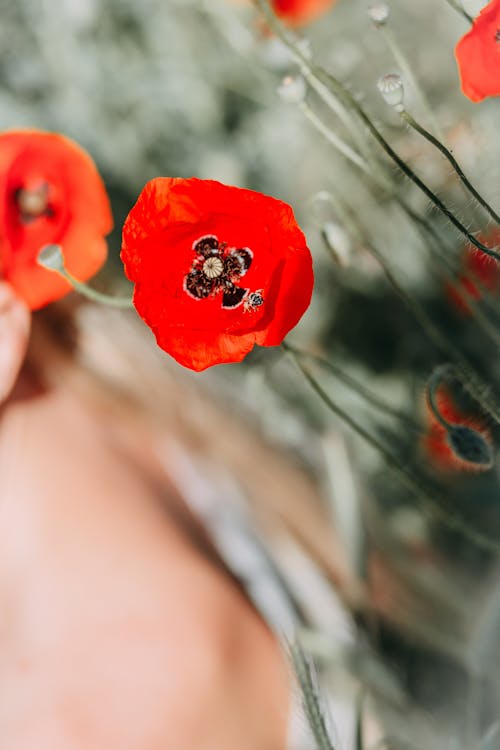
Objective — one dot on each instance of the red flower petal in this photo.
(300, 12)
(50, 193)
(480, 273)
(205, 315)
(478, 55)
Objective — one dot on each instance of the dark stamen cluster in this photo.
(216, 270)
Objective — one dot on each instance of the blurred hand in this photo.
(15, 323)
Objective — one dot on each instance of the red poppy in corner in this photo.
(217, 269)
(478, 55)
(300, 12)
(50, 193)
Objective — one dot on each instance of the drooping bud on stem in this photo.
(470, 444)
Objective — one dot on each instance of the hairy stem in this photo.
(451, 159)
(407, 477)
(342, 95)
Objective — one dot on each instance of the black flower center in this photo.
(497, 36)
(216, 269)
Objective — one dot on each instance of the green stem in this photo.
(358, 387)
(94, 295)
(345, 97)
(407, 71)
(333, 138)
(432, 387)
(404, 474)
(482, 319)
(479, 390)
(451, 159)
(456, 5)
(310, 698)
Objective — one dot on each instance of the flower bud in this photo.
(51, 257)
(379, 13)
(292, 89)
(391, 88)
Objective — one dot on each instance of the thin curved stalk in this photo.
(358, 387)
(92, 294)
(456, 5)
(407, 71)
(407, 477)
(311, 699)
(333, 138)
(345, 97)
(454, 163)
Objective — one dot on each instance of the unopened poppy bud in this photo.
(292, 89)
(391, 88)
(51, 257)
(379, 13)
(470, 445)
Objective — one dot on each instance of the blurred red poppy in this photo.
(480, 273)
(50, 193)
(217, 269)
(436, 443)
(478, 55)
(300, 12)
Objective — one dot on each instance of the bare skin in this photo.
(117, 633)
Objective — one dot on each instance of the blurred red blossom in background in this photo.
(478, 55)
(480, 273)
(50, 193)
(217, 269)
(435, 442)
(300, 12)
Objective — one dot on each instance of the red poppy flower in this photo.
(478, 55)
(217, 269)
(50, 193)
(436, 442)
(480, 272)
(300, 12)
